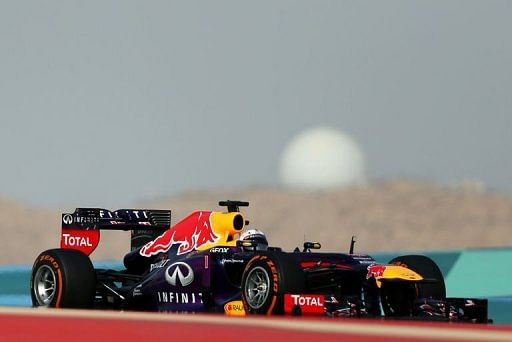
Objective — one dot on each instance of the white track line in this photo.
(339, 326)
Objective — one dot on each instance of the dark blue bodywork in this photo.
(214, 279)
(206, 280)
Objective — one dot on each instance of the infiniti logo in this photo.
(176, 270)
(67, 219)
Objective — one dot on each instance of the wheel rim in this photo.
(45, 285)
(257, 287)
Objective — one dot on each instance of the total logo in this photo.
(76, 241)
(179, 272)
(304, 303)
(85, 241)
(307, 300)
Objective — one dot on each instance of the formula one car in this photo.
(202, 265)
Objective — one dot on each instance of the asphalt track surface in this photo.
(27, 324)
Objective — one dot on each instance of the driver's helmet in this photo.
(255, 235)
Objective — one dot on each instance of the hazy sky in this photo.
(109, 102)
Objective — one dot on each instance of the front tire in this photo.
(63, 278)
(398, 297)
(428, 269)
(266, 279)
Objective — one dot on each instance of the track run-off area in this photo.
(28, 324)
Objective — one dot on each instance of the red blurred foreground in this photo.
(74, 325)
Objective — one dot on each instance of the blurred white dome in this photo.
(321, 158)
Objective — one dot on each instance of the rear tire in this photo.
(266, 279)
(63, 278)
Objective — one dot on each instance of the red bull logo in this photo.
(191, 233)
(376, 271)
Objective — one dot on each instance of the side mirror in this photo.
(308, 246)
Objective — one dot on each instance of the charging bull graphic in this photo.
(191, 233)
(376, 271)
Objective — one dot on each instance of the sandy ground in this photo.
(386, 216)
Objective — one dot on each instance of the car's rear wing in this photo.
(81, 229)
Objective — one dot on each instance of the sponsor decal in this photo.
(137, 291)
(363, 259)
(232, 261)
(307, 300)
(179, 297)
(85, 241)
(102, 215)
(275, 275)
(50, 259)
(84, 219)
(308, 304)
(157, 265)
(76, 241)
(219, 250)
(138, 213)
(234, 308)
(191, 233)
(376, 271)
(67, 219)
(179, 272)
(106, 214)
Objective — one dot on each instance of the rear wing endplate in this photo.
(81, 229)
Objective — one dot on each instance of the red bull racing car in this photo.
(205, 263)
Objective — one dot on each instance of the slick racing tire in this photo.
(428, 269)
(63, 278)
(398, 297)
(266, 278)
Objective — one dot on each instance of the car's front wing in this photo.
(450, 309)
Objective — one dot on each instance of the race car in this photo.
(210, 262)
